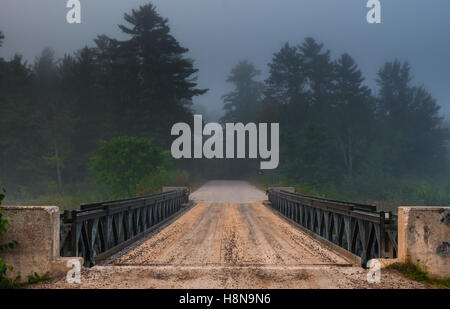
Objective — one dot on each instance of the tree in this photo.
(395, 92)
(124, 161)
(287, 79)
(300, 87)
(157, 82)
(160, 55)
(412, 131)
(55, 113)
(19, 128)
(319, 71)
(243, 103)
(427, 135)
(81, 86)
(2, 37)
(353, 113)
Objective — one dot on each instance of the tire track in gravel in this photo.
(157, 249)
(229, 234)
(282, 251)
(299, 247)
(198, 242)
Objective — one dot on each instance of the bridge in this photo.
(230, 234)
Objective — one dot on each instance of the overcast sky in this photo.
(219, 33)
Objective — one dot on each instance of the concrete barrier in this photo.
(37, 230)
(424, 238)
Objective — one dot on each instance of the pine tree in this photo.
(412, 130)
(286, 81)
(157, 81)
(19, 134)
(353, 113)
(57, 121)
(243, 103)
(319, 71)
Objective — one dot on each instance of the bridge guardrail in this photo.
(98, 230)
(358, 228)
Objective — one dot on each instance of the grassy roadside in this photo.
(382, 205)
(416, 273)
(73, 197)
(65, 201)
(389, 204)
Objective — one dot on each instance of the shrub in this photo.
(161, 177)
(5, 282)
(124, 161)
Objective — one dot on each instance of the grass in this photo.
(14, 283)
(72, 196)
(387, 196)
(415, 272)
(63, 201)
(38, 279)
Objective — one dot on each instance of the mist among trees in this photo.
(336, 134)
(338, 137)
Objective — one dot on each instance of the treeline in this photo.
(55, 111)
(334, 130)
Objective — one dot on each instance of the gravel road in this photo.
(231, 240)
(228, 191)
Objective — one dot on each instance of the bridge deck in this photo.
(230, 240)
(230, 234)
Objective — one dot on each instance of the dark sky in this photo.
(219, 33)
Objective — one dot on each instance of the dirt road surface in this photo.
(231, 240)
(228, 191)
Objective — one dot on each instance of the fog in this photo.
(219, 33)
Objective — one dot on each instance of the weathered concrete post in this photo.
(424, 238)
(37, 231)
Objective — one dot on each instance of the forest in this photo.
(66, 123)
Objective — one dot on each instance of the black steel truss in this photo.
(96, 231)
(358, 228)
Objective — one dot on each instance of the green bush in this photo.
(5, 282)
(124, 161)
(161, 177)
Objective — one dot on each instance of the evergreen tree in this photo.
(244, 102)
(286, 81)
(54, 113)
(319, 70)
(157, 81)
(19, 126)
(353, 113)
(80, 86)
(412, 131)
